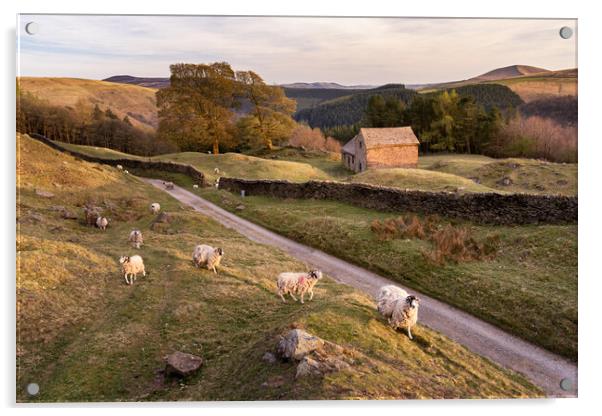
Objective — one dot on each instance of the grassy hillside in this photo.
(436, 173)
(525, 175)
(83, 335)
(418, 179)
(529, 287)
(528, 85)
(132, 100)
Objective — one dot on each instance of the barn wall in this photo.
(393, 156)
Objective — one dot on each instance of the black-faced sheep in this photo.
(131, 266)
(297, 283)
(136, 239)
(207, 255)
(400, 309)
(155, 207)
(102, 222)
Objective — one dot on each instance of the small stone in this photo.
(505, 181)
(182, 364)
(269, 358)
(240, 207)
(163, 218)
(308, 366)
(44, 194)
(68, 215)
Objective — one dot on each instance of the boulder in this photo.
(297, 344)
(182, 364)
(91, 213)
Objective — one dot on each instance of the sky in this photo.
(350, 51)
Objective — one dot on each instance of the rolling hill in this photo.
(136, 102)
(156, 82)
(86, 336)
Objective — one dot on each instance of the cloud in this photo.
(286, 49)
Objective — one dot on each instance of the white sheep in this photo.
(207, 255)
(131, 266)
(126, 172)
(102, 222)
(216, 171)
(155, 207)
(386, 297)
(119, 167)
(168, 185)
(195, 186)
(136, 238)
(299, 283)
(400, 309)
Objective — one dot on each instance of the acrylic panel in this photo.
(221, 208)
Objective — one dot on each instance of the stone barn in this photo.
(387, 147)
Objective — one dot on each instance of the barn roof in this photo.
(387, 136)
(349, 147)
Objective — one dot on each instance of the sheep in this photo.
(207, 255)
(386, 297)
(299, 283)
(168, 185)
(195, 186)
(155, 207)
(131, 266)
(120, 167)
(216, 171)
(102, 222)
(400, 309)
(126, 172)
(136, 238)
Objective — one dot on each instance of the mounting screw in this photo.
(32, 28)
(566, 32)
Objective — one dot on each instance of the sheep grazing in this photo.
(386, 297)
(155, 207)
(298, 283)
(102, 222)
(195, 186)
(207, 255)
(216, 171)
(168, 185)
(119, 167)
(131, 266)
(135, 238)
(400, 309)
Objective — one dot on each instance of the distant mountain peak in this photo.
(510, 72)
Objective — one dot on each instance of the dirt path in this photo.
(542, 367)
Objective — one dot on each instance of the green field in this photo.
(447, 172)
(83, 335)
(529, 288)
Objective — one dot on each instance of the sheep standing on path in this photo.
(131, 266)
(400, 309)
(135, 238)
(207, 255)
(155, 207)
(299, 283)
(102, 222)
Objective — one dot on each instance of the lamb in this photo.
(131, 266)
(207, 255)
(120, 167)
(168, 185)
(155, 207)
(299, 283)
(136, 238)
(400, 309)
(102, 222)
